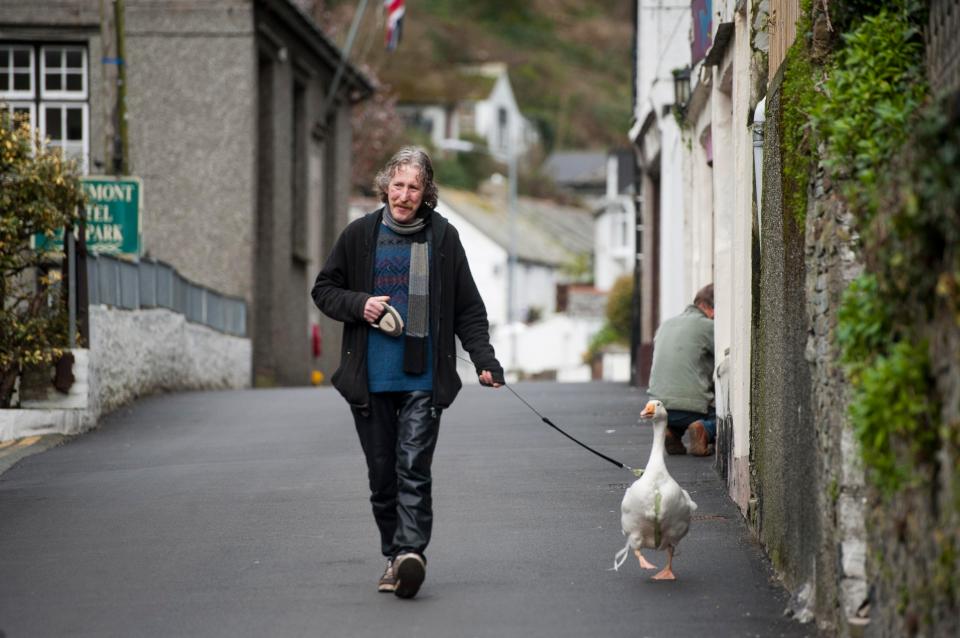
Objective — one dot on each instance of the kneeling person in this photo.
(682, 376)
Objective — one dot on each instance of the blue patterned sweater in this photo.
(384, 353)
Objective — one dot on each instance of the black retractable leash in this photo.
(622, 466)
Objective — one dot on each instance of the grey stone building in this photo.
(245, 180)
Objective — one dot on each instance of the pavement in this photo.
(245, 514)
(13, 451)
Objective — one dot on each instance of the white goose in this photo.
(655, 512)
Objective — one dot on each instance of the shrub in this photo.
(875, 86)
(620, 308)
(40, 195)
(619, 318)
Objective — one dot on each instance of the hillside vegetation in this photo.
(569, 60)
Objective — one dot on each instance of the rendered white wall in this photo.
(536, 288)
(133, 353)
(487, 120)
(611, 257)
(557, 343)
(663, 45)
(138, 352)
(488, 264)
(674, 292)
(741, 296)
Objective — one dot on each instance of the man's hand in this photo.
(374, 308)
(486, 378)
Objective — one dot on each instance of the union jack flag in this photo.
(395, 10)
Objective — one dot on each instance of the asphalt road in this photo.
(246, 514)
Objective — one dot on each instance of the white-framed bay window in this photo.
(48, 83)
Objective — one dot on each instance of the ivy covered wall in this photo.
(863, 158)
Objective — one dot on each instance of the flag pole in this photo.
(351, 36)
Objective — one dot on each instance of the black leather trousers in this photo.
(398, 433)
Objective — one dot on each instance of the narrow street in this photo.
(245, 514)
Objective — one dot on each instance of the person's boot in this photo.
(699, 440)
(673, 444)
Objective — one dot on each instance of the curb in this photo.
(15, 450)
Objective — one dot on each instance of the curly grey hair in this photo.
(416, 157)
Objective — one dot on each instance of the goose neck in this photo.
(659, 441)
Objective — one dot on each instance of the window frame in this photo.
(62, 94)
(38, 99)
(85, 124)
(13, 94)
(11, 105)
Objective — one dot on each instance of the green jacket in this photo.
(682, 372)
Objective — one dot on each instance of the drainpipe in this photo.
(121, 152)
(759, 118)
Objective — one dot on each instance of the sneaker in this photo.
(410, 570)
(388, 582)
(673, 444)
(699, 444)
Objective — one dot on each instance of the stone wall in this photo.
(831, 264)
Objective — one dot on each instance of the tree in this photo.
(40, 193)
(377, 130)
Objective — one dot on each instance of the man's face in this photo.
(405, 193)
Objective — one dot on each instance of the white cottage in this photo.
(471, 102)
(554, 246)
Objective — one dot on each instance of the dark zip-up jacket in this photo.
(456, 308)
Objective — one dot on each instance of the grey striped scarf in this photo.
(418, 287)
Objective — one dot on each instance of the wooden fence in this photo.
(783, 31)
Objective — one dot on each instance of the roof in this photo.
(310, 32)
(577, 167)
(446, 86)
(547, 233)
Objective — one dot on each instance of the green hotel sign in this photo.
(113, 216)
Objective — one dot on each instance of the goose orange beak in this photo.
(648, 411)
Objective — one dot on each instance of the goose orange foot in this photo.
(667, 572)
(644, 563)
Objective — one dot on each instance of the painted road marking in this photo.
(8, 447)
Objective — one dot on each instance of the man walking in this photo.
(398, 359)
(682, 376)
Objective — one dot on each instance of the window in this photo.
(22, 110)
(16, 72)
(64, 72)
(502, 131)
(65, 125)
(298, 174)
(619, 227)
(47, 84)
